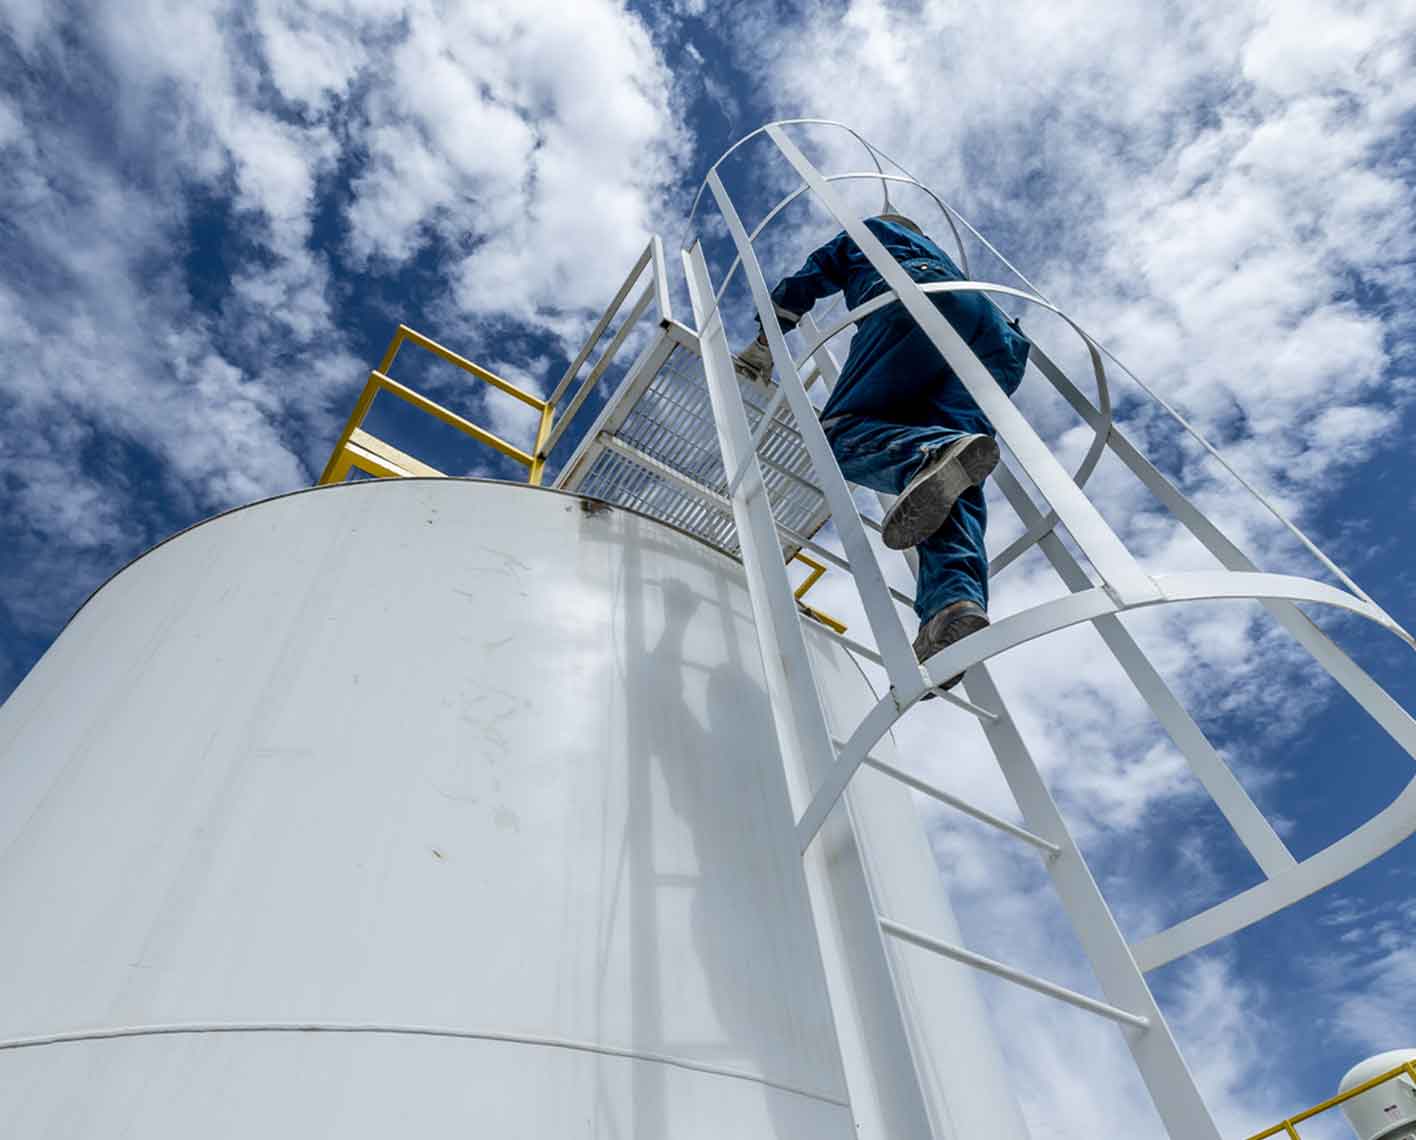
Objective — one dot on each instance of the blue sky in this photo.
(214, 215)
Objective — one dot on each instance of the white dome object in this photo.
(1387, 1112)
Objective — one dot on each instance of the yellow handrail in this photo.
(817, 569)
(1289, 1125)
(357, 448)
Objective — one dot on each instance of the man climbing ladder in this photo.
(900, 420)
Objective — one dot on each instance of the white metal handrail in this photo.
(655, 290)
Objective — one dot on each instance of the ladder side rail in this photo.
(1253, 829)
(1117, 567)
(1157, 1055)
(900, 663)
(886, 1100)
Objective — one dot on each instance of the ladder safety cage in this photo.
(1123, 586)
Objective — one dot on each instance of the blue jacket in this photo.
(893, 371)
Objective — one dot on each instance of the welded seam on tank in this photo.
(107, 1034)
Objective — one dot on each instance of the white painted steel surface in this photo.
(1389, 1110)
(424, 807)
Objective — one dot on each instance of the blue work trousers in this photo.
(906, 404)
(884, 457)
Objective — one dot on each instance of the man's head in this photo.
(901, 220)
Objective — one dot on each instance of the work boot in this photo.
(926, 501)
(953, 623)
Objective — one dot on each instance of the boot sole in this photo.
(966, 625)
(921, 511)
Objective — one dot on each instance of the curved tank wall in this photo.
(423, 807)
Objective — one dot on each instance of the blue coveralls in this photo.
(898, 402)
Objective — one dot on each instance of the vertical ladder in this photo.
(806, 741)
(820, 767)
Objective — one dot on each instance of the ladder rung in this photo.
(855, 647)
(988, 965)
(1050, 849)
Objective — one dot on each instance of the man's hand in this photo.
(756, 360)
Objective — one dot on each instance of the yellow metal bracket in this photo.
(816, 570)
(358, 448)
(1289, 1127)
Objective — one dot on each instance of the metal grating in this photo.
(672, 421)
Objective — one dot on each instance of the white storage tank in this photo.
(435, 808)
(1387, 1112)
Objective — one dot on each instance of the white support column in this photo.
(1157, 1056)
(968, 1082)
(886, 1098)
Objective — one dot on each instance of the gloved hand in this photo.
(756, 360)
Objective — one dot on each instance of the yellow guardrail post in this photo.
(356, 417)
(543, 430)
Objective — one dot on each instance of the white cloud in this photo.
(538, 150)
(534, 149)
(1371, 975)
